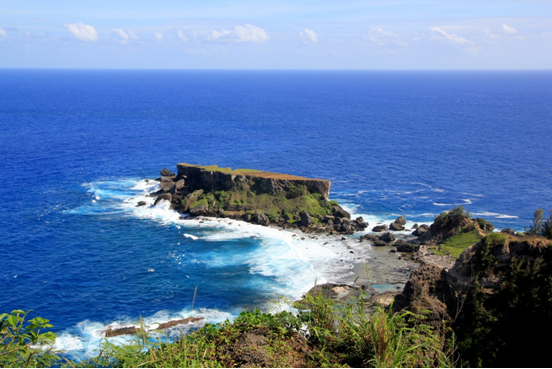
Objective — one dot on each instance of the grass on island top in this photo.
(248, 172)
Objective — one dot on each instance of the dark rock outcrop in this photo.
(421, 230)
(306, 219)
(450, 223)
(163, 196)
(166, 173)
(174, 323)
(387, 237)
(495, 297)
(380, 228)
(400, 220)
(508, 231)
(217, 179)
(396, 227)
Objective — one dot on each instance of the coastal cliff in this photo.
(496, 297)
(257, 197)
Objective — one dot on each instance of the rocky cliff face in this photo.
(257, 197)
(213, 179)
(497, 297)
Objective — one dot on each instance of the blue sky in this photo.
(239, 34)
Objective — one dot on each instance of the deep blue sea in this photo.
(77, 145)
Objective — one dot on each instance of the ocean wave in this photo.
(496, 215)
(84, 339)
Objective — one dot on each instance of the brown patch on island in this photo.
(249, 172)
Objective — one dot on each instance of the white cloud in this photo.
(132, 35)
(182, 36)
(3, 33)
(158, 36)
(309, 36)
(81, 31)
(247, 33)
(381, 37)
(121, 33)
(251, 33)
(439, 33)
(510, 30)
(216, 35)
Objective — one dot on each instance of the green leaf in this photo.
(2, 316)
(18, 312)
(12, 319)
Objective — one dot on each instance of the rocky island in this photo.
(257, 197)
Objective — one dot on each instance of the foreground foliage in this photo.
(23, 344)
(327, 334)
(322, 333)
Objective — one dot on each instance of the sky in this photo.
(283, 34)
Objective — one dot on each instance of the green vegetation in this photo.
(540, 226)
(290, 202)
(23, 343)
(324, 333)
(456, 214)
(456, 244)
(504, 327)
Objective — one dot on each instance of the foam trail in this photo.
(191, 236)
(84, 339)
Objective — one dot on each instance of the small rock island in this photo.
(256, 197)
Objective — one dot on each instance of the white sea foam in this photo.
(190, 236)
(496, 215)
(84, 339)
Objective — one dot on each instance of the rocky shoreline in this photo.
(291, 202)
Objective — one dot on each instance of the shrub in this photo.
(540, 227)
(22, 344)
(296, 191)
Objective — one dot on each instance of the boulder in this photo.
(396, 227)
(415, 226)
(387, 237)
(179, 185)
(167, 184)
(379, 243)
(359, 219)
(260, 218)
(163, 196)
(380, 228)
(141, 203)
(363, 225)
(166, 173)
(508, 231)
(306, 219)
(400, 220)
(404, 247)
(421, 230)
(339, 212)
(369, 237)
(328, 219)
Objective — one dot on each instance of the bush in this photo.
(22, 344)
(541, 227)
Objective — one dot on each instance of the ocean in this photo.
(77, 146)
